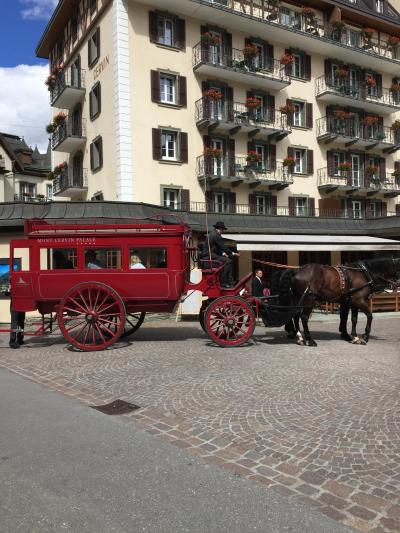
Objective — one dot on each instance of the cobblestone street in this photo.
(319, 425)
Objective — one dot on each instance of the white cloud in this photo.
(38, 9)
(24, 103)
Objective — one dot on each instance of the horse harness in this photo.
(345, 281)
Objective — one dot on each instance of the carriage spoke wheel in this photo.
(132, 323)
(91, 316)
(229, 321)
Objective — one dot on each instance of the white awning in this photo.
(265, 243)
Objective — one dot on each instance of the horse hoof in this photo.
(311, 343)
(300, 342)
(346, 337)
(357, 341)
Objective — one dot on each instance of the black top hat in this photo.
(220, 225)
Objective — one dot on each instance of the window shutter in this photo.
(231, 156)
(182, 91)
(156, 144)
(310, 162)
(207, 141)
(309, 116)
(398, 210)
(269, 104)
(247, 41)
(250, 146)
(155, 86)
(229, 103)
(274, 205)
(204, 47)
(252, 204)
(272, 156)
(209, 196)
(153, 31)
(288, 68)
(368, 209)
(231, 197)
(91, 156)
(384, 209)
(268, 56)
(307, 67)
(183, 147)
(330, 162)
(185, 199)
(378, 78)
(328, 71)
(290, 151)
(100, 148)
(180, 34)
(289, 116)
(382, 168)
(292, 206)
(311, 207)
(227, 51)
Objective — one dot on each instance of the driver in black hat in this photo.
(220, 252)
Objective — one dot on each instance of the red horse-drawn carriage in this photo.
(83, 277)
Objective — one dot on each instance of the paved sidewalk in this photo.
(318, 425)
(66, 467)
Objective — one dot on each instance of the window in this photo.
(379, 4)
(148, 258)
(297, 66)
(219, 202)
(373, 210)
(167, 30)
(299, 158)
(338, 159)
(58, 258)
(356, 208)
(96, 153)
(49, 191)
(74, 27)
(97, 258)
(167, 89)
(290, 18)
(171, 198)
(169, 145)
(94, 47)
(261, 205)
(301, 207)
(299, 114)
(27, 191)
(95, 101)
(76, 73)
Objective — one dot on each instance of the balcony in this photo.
(351, 132)
(231, 118)
(231, 64)
(68, 90)
(70, 182)
(238, 170)
(278, 24)
(31, 198)
(69, 136)
(373, 99)
(330, 180)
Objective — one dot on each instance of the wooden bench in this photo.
(384, 301)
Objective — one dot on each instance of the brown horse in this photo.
(350, 285)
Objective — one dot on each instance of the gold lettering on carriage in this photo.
(68, 240)
(100, 67)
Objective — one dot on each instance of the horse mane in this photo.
(379, 264)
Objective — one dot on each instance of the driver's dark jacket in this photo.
(217, 244)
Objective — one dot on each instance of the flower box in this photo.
(287, 59)
(339, 114)
(253, 103)
(338, 24)
(253, 156)
(50, 82)
(344, 167)
(396, 173)
(395, 87)
(371, 170)
(396, 125)
(50, 128)
(59, 119)
(250, 51)
(342, 72)
(393, 40)
(58, 169)
(213, 94)
(367, 33)
(208, 38)
(287, 109)
(289, 162)
(370, 120)
(216, 153)
(370, 81)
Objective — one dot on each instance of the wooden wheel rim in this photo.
(230, 321)
(91, 316)
(133, 321)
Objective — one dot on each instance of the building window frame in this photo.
(300, 160)
(301, 205)
(95, 95)
(96, 154)
(162, 22)
(172, 197)
(299, 115)
(169, 145)
(168, 95)
(94, 47)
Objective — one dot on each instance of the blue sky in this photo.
(24, 100)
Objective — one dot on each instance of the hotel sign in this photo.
(102, 65)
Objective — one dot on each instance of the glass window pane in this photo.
(97, 258)
(143, 258)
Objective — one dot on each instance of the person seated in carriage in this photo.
(135, 261)
(221, 253)
(92, 261)
(60, 261)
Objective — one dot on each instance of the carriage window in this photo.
(96, 258)
(57, 258)
(140, 258)
(21, 259)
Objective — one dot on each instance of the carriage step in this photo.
(117, 407)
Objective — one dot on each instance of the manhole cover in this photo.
(117, 407)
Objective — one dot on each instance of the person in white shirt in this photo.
(136, 262)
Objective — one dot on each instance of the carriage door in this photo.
(218, 162)
(355, 170)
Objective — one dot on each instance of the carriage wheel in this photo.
(132, 323)
(229, 321)
(91, 316)
(202, 314)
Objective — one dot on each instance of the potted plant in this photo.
(340, 114)
(289, 162)
(50, 175)
(208, 38)
(50, 82)
(342, 72)
(367, 33)
(393, 40)
(396, 125)
(215, 153)
(337, 29)
(395, 89)
(58, 169)
(253, 103)
(370, 81)
(371, 170)
(50, 128)
(59, 118)
(213, 94)
(250, 51)
(287, 109)
(396, 173)
(345, 166)
(370, 120)
(253, 157)
(287, 59)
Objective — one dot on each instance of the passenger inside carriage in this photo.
(91, 260)
(136, 262)
(60, 261)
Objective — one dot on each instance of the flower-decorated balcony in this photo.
(351, 131)
(220, 116)
(69, 134)
(303, 29)
(67, 87)
(368, 182)
(232, 64)
(70, 181)
(249, 169)
(366, 96)
(31, 198)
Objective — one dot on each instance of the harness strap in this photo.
(277, 265)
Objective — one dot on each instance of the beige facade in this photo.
(126, 53)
